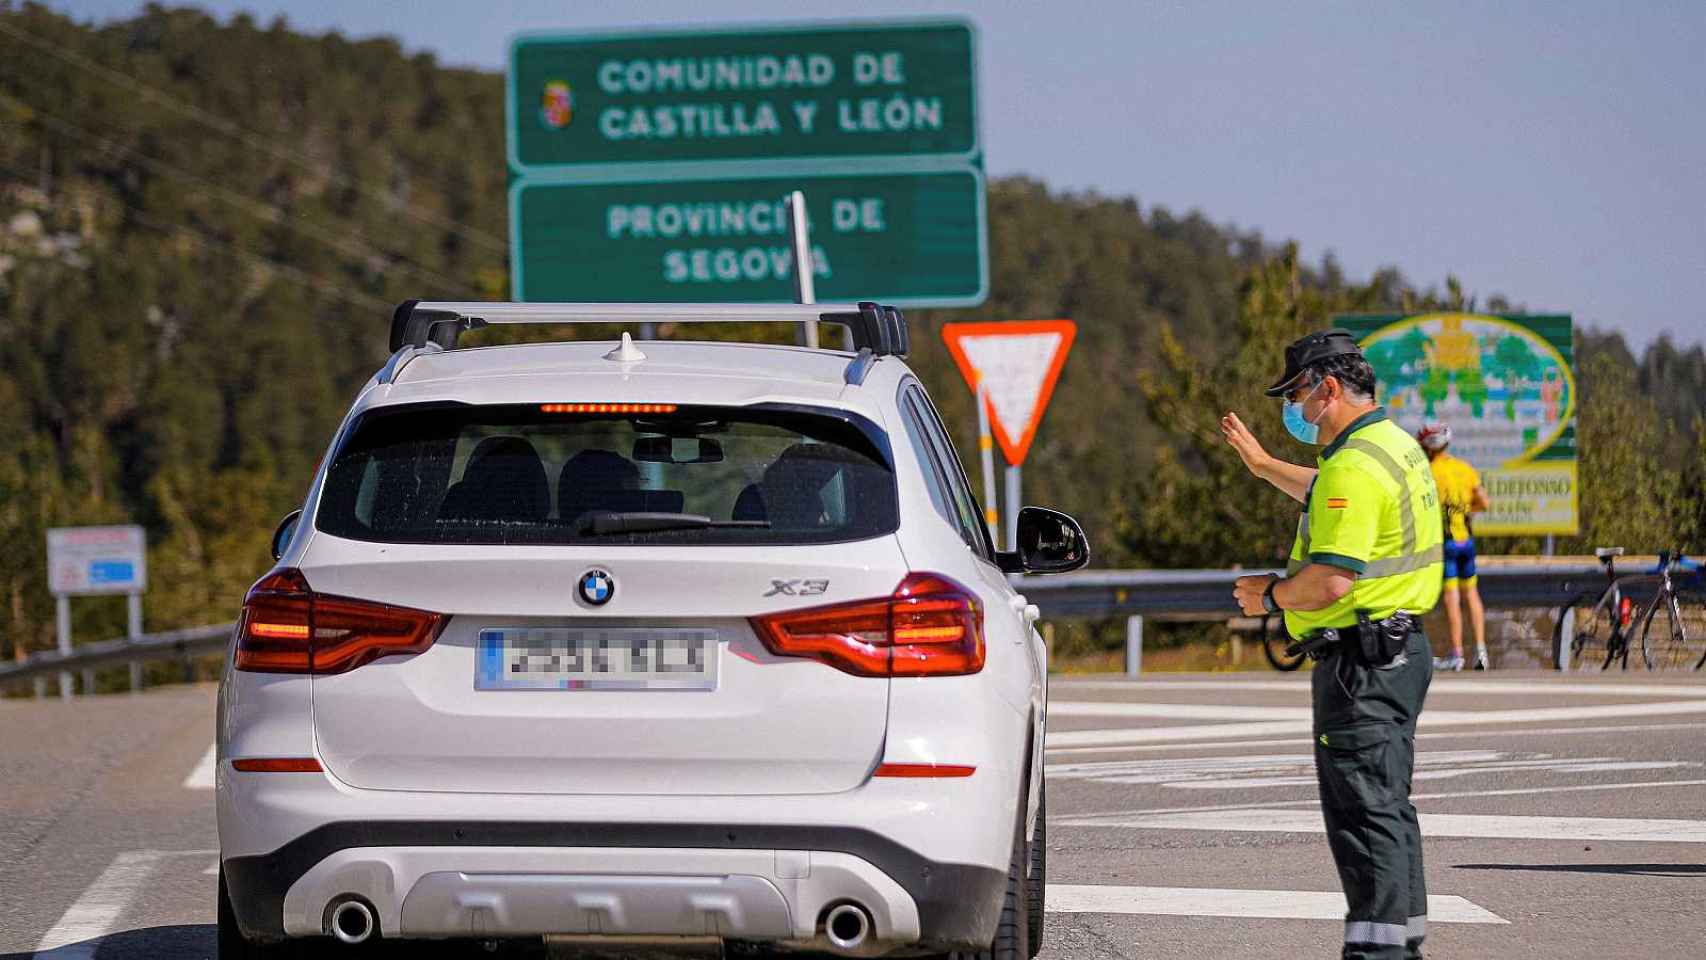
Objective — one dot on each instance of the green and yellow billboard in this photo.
(1506, 385)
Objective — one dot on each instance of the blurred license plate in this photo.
(613, 658)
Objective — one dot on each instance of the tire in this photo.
(1591, 643)
(1665, 643)
(1036, 880)
(1274, 642)
(1012, 933)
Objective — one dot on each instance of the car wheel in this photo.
(1012, 934)
(1036, 881)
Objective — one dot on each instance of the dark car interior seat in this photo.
(792, 491)
(504, 481)
(597, 480)
(750, 505)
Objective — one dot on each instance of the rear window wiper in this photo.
(604, 522)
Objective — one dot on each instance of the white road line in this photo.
(1486, 826)
(1539, 686)
(1174, 711)
(1096, 819)
(1429, 720)
(99, 907)
(1294, 770)
(1210, 902)
(1455, 735)
(201, 778)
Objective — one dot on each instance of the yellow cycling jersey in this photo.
(1372, 510)
(1456, 481)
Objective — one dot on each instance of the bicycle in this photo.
(1603, 625)
(1672, 648)
(1274, 643)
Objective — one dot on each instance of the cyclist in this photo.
(1460, 496)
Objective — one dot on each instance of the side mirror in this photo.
(1049, 542)
(281, 536)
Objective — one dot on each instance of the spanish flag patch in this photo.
(1338, 503)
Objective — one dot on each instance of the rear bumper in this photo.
(494, 879)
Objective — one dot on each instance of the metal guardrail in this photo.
(1504, 582)
(1184, 594)
(166, 645)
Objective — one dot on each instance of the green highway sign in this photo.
(902, 89)
(906, 238)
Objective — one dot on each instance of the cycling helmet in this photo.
(1434, 436)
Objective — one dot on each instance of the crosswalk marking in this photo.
(201, 778)
(1298, 769)
(99, 907)
(1214, 902)
(1442, 685)
(1286, 721)
(1481, 826)
(76, 936)
(1454, 735)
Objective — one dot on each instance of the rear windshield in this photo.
(575, 473)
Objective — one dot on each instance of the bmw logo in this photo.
(597, 587)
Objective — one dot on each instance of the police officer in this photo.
(1365, 566)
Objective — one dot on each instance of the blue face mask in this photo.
(1297, 424)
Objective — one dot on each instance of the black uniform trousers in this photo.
(1365, 752)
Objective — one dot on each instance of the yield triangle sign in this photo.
(1018, 363)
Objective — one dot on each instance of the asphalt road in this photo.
(1564, 817)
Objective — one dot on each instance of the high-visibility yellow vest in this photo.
(1372, 510)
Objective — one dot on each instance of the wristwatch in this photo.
(1268, 602)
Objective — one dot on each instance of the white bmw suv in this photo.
(612, 642)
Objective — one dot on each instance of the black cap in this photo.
(1309, 350)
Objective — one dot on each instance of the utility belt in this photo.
(1374, 641)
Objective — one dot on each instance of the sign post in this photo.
(799, 237)
(1506, 385)
(664, 158)
(1014, 367)
(94, 561)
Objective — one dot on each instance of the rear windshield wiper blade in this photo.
(604, 522)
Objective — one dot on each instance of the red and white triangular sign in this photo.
(1018, 361)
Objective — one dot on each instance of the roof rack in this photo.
(416, 323)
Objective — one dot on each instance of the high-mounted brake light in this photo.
(607, 408)
(930, 627)
(288, 628)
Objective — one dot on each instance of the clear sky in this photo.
(1554, 152)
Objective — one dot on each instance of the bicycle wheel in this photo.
(1666, 640)
(1274, 642)
(1591, 637)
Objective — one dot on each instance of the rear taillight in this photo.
(930, 627)
(288, 628)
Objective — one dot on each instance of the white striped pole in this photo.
(986, 453)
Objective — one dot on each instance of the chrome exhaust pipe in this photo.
(351, 920)
(847, 926)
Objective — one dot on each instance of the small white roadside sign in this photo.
(96, 560)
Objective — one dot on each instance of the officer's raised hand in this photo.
(1291, 478)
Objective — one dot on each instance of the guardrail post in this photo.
(133, 630)
(62, 638)
(1133, 645)
(1566, 638)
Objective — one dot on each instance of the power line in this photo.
(249, 139)
(355, 245)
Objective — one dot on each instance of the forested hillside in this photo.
(203, 227)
